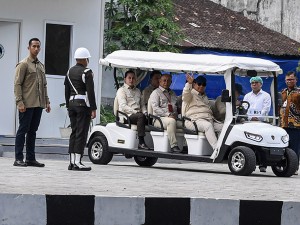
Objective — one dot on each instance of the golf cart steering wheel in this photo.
(242, 110)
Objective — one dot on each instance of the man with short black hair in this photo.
(290, 112)
(154, 83)
(129, 99)
(30, 88)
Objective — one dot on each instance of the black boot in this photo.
(72, 161)
(78, 165)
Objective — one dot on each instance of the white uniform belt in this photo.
(78, 97)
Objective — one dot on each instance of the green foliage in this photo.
(140, 25)
(106, 114)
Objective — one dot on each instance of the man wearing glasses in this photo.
(197, 108)
(290, 111)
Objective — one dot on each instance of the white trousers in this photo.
(209, 128)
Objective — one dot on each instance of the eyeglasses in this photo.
(289, 80)
(255, 82)
(201, 84)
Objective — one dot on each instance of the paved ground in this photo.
(125, 178)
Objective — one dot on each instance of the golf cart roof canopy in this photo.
(196, 63)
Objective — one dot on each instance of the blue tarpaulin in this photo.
(215, 84)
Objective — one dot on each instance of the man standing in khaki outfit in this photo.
(30, 88)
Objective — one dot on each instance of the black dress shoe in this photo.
(34, 163)
(70, 167)
(175, 149)
(81, 167)
(20, 163)
(143, 146)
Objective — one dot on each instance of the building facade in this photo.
(62, 26)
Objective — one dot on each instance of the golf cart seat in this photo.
(195, 139)
(159, 134)
(122, 119)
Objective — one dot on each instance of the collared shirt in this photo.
(129, 100)
(195, 105)
(290, 111)
(30, 85)
(146, 94)
(160, 99)
(260, 103)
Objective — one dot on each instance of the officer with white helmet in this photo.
(81, 104)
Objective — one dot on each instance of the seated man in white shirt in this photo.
(129, 99)
(260, 101)
(260, 105)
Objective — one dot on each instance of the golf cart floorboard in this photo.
(157, 154)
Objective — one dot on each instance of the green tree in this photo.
(147, 25)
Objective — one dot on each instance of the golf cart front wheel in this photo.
(287, 166)
(241, 161)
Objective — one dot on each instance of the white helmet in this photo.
(82, 53)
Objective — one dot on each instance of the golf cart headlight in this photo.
(254, 137)
(285, 139)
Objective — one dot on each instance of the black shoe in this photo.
(128, 156)
(184, 150)
(262, 169)
(175, 149)
(34, 163)
(143, 146)
(81, 167)
(70, 167)
(20, 163)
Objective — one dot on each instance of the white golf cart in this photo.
(242, 144)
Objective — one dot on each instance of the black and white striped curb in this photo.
(89, 210)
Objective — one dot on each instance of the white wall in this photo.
(84, 15)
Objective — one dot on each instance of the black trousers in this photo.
(29, 122)
(80, 117)
(140, 120)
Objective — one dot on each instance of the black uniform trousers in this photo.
(80, 117)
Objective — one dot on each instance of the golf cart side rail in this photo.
(157, 154)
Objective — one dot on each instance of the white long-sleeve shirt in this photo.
(260, 103)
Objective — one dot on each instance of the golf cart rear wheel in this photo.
(98, 150)
(241, 161)
(288, 166)
(145, 161)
